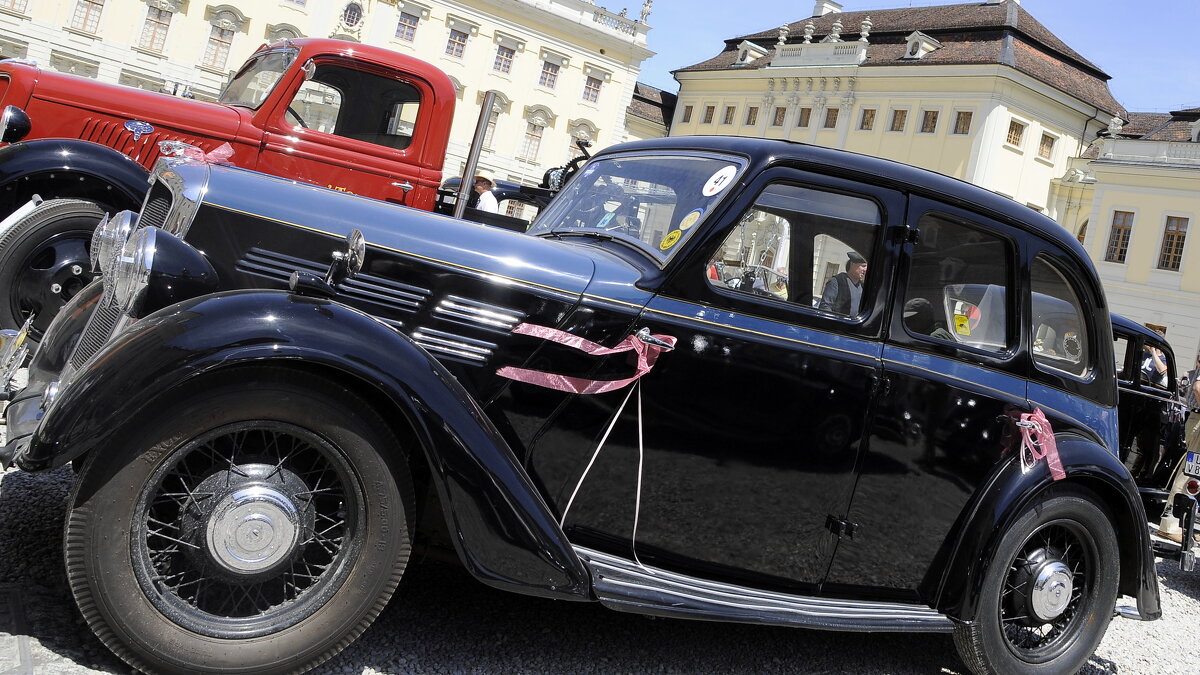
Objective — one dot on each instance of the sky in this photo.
(1150, 48)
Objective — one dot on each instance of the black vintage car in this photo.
(641, 402)
(1151, 415)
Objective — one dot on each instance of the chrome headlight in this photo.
(130, 274)
(109, 238)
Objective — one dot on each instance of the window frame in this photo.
(804, 117)
(86, 16)
(832, 114)
(1176, 239)
(958, 118)
(456, 48)
(1116, 250)
(503, 61)
(409, 29)
(1020, 127)
(865, 124)
(929, 121)
(899, 114)
(155, 24)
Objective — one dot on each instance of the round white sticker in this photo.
(719, 181)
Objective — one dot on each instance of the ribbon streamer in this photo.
(647, 347)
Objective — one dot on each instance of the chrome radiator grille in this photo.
(96, 334)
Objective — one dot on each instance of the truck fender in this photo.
(998, 504)
(504, 532)
(69, 168)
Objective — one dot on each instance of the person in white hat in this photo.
(487, 201)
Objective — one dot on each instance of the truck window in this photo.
(957, 284)
(1060, 339)
(801, 245)
(357, 104)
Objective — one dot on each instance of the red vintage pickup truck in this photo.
(341, 115)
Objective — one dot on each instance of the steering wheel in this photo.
(299, 120)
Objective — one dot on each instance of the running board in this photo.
(626, 586)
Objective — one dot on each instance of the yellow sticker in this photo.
(962, 325)
(690, 219)
(671, 239)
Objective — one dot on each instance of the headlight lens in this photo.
(109, 238)
(131, 272)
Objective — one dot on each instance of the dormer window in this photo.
(748, 52)
(920, 44)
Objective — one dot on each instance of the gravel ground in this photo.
(442, 621)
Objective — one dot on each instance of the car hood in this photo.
(510, 257)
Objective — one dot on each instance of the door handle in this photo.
(403, 185)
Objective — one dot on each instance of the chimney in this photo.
(824, 7)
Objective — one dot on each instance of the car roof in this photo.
(1127, 325)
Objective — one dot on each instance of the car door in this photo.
(952, 362)
(752, 426)
(356, 127)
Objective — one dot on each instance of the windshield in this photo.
(254, 82)
(653, 202)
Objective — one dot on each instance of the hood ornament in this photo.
(138, 128)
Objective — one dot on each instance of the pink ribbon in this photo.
(643, 344)
(1037, 442)
(219, 155)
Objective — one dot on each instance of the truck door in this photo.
(357, 127)
(753, 424)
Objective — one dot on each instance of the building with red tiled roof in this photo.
(1131, 199)
(981, 91)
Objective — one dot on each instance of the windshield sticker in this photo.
(671, 239)
(605, 220)
(690, 219)
(719, 181)
(962, 325)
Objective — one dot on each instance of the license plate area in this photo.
(1191, 464)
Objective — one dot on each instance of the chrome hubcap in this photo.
(252, 529)
(1051, 591)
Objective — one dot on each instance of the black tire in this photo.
(1065, 535)
(249, 527)
(44, 261)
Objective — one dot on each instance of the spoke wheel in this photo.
(243, 528)
(44, 261)
(255, 522)
(1050, 591)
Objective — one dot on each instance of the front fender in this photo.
(69, 168)
(504, 532)
(1000, 502)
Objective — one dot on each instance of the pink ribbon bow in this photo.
(219, 155)
(647, 347)
(1037, 442)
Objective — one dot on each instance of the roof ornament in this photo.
(1115, 125)
(783, 35)
(646, 7)
(835, 33)
(809, 29)
(865, 29)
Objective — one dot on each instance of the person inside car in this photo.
(843, 291)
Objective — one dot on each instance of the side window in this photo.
(1060, 339)
(957, 284)
(807, 246)
(1120, 350)
(1156, 366)
(356, 104)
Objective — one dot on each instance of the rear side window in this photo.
(803, 245)
(957, 288)
(1060, 339)
(1120, 351)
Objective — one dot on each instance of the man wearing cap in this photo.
(487, 200)
(843, 291)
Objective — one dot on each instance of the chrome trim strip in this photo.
(448, 344)
(473, 312)
(624, 585)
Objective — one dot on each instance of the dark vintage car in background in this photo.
(278, 392)
(1151, 414)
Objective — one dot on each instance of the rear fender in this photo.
(67, 168)
(998, 505)
(503, 530)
